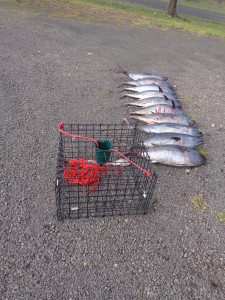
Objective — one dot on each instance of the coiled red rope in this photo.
(88, 173)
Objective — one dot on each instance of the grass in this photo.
(201, 205)
(201, 151)
(193, 117)
(210, 5)
(221, 216)
(199, 202)
(122, 13)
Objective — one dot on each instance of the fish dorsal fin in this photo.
(166, 98)
(176, 138)
(160, 89)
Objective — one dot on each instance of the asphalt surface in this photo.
(55, 70)
(182, 9)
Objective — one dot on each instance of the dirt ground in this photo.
(56, 69)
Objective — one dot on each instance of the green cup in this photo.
(102, 152)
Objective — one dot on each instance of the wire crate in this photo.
(128, 192)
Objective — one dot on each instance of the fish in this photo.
(148, 87)
(154, 101)
(119, 162)
(169, 138)
(136, 76)
(142, 88)
(177, 156)
(145, 81)
(148, 94)
(158, 109)
(164, 118)
(167, 127)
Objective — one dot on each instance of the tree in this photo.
(172, 8)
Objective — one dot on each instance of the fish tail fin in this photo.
(121, 85)
(123, 96)
(127, 121)
(121, 69)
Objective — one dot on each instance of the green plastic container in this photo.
(102, 152)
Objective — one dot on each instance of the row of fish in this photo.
(170, 138)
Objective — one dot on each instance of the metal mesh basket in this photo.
(126, 193)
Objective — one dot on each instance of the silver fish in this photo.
(149, 94)
(148, 87)
(161, 139)
(143, 88)
(167, 127)
(158, 109)
(177, 156)
(119, 162)
(164, 118)
(136, 76)
(145, 81)
(154, 101)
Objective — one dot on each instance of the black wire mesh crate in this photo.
(121, 188)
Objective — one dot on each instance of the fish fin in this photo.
(122, 85)
(122, 70)
(166, 98)
(153, 161)
(176, 138)
(123, 96)
(173, 104)
(160, 90)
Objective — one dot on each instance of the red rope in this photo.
(87, 174)
(60, 126)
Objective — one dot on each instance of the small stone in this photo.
(148, 292)
(49, 238)
(115, 265)
(187, 171)
(85, 264)
(213, 125)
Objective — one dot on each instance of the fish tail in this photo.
(127, 121)
(122, 85)
(121, 69)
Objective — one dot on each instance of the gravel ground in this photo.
(55, 70)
